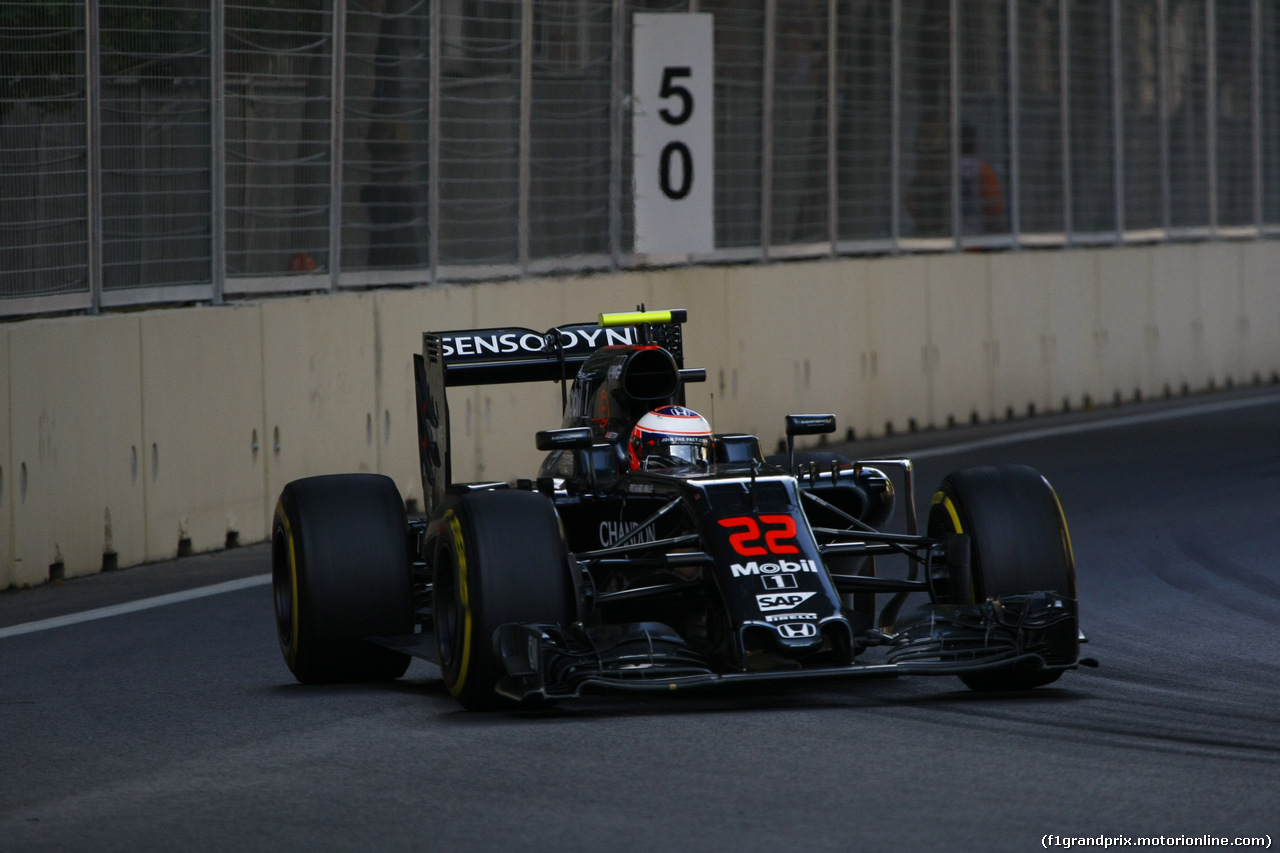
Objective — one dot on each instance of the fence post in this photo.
(766, 130)
(217, 150)
(93, 154)
(1064, 113)
(895, 129)
(615, 133)
(957, 208)
(833, 124)
(1162, 76)
(1256, 109)
(433, 146)
(1015, 126)
(1211, 110)
(526, 134)
(1117, 120)
(337, 89)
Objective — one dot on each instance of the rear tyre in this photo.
(1018, 544)
(340, 572)
(500, 558)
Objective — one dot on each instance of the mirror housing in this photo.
(810, 424)
(573, 438)
(805, 425)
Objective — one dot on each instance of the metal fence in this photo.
(197, 150)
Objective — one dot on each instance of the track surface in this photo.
(179, 727)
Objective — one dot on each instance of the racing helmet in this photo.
(670, 437)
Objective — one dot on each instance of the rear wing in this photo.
(510, 355)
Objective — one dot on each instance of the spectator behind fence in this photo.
(981, 195)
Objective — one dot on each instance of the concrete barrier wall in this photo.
(128, 438)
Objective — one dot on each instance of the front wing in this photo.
(562, 662)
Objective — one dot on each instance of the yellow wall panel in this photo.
(1261, 308)
(1219, 314)
(203, 427)
(1071, 306)
(1021, 351)
(78, 453)
(898, 345)
(1180, 354)
(960, 354)
(1126, 340)
(318, 379)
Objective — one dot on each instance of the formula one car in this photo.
(651, 554)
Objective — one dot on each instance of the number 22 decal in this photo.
(779, 535)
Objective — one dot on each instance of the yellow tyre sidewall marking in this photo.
(1066, 539)
(941, 498)
(460, 554)
(293, 585)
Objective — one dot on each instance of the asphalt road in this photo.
(179, 727)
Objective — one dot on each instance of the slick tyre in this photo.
(340, 572)
(500, 557)
(1018, 544)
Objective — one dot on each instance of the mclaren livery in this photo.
(651, 554)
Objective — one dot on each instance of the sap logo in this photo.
(612, 532)
(782, 600)
(780, 567)
(790, 617)
(779, 582)
(798, 630)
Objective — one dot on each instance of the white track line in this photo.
(1093, 426)
(134, 606)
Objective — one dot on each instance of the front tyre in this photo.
(500, 558)
(1018, 545)
(340, 572)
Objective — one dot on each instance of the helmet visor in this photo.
(676, 451)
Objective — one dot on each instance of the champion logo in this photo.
(611, 532)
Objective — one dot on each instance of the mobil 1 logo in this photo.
(673, 165)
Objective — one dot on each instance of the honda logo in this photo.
(798, 630)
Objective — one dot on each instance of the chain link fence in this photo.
(161, 151)
(44, 236)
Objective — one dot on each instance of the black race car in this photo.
(652, 555)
